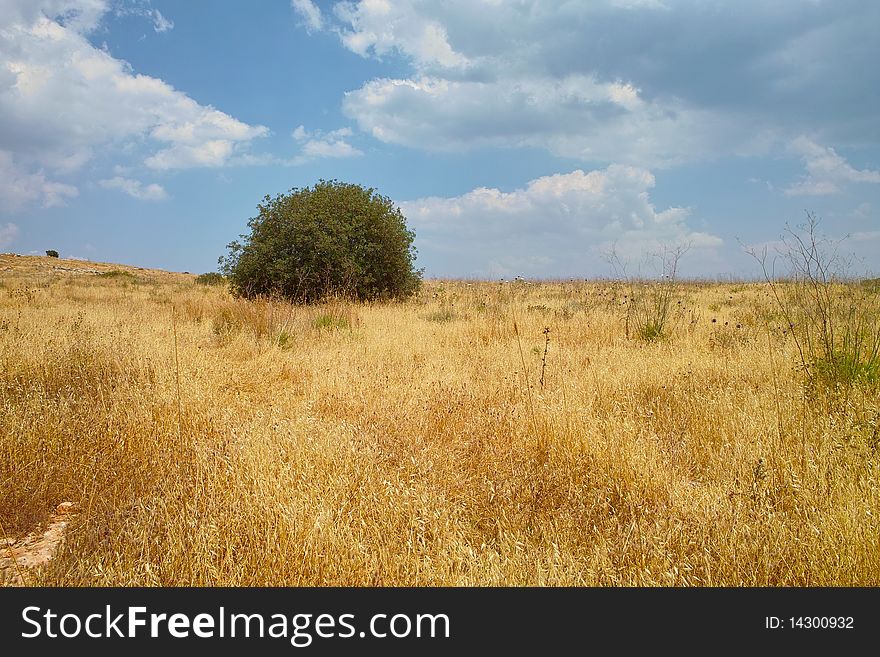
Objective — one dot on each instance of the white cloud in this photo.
(764, 183)
(811, 187)
(55, 193)
(645, 82)
(863, 211)
(18, 188)
(318, 144)
(135, 188)
(299, 133)
(577, 117)
(142, 9)
(555, 225)
(160, 23)
(866, 236)
(210, 153)
(80, 16)
(318, 148)
(310, 14)
(639, 4)
(379, 27)
(47, 64)
(827, 172)
(8, 233)
(503, 96)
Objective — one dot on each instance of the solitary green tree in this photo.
(331, 239)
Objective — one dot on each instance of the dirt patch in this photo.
(19, 558)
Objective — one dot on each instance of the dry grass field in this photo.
(207, 440)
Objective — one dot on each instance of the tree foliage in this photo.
(211, 278)
(330, 239)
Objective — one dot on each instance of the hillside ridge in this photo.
(34, 264)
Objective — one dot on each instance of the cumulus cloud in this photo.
(577, 117)
(55, 194)
(135, 188)
(182, 155)
(18, 188)
(80, 16)
(8, 233)
(378, 27)
(658, 82)
(49, 63)
(318, 144)
(827, 172)
(309, 12)
(555, 225)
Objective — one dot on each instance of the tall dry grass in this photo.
(412, 444)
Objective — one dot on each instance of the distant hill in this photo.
(12, 263)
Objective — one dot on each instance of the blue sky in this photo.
(520, 137)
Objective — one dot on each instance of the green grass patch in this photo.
(118, 274)
(442, 316)
(330, 323)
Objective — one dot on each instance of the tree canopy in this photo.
(333, 238)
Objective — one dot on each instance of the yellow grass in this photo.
(412, 444)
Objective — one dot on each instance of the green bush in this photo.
(331, 240)
(52, 254)
(211, 278)
(117, 273)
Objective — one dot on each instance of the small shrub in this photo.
(833, 319)
(651, 328)
(52, 253)
(649, 303)
(211, 278)
(117, 273)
